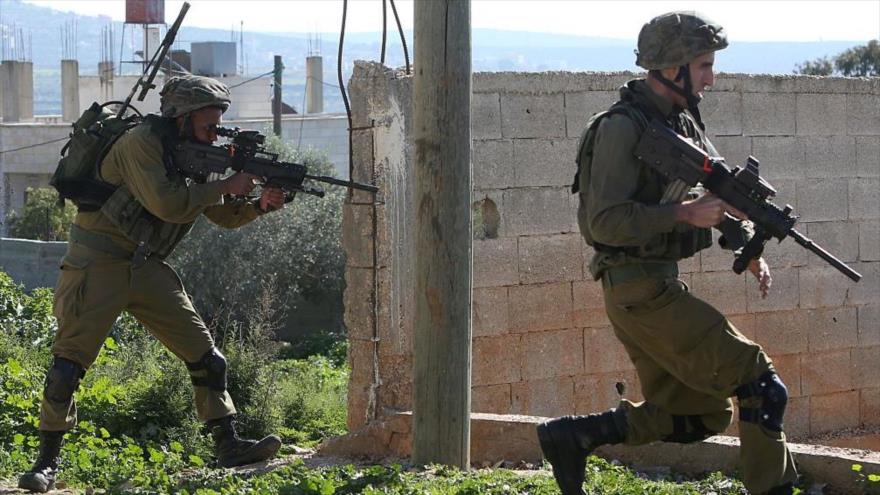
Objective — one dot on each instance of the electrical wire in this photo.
(35, 145)
(402, 37)
(271, 72)
(384, 29)
(344, 95)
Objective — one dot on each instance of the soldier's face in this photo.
(702, 73)
(204, 124)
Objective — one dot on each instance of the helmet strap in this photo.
(684, 73)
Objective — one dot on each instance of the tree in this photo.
(40, 218)
(859, 61)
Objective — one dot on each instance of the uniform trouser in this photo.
(689, 360)
(93, 289)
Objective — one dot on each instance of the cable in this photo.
(402, 37)
(271, 72)
(344, 95)
(35, 145)
(384, 29)
(322, 82)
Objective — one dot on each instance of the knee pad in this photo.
(62, 380)
(774, 397)
(682, 433)
(211, 369)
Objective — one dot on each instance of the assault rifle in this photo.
(245, 153)
(742, 188)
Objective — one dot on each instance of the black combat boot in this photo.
(41, 477)
(567, 441)
(233, 451)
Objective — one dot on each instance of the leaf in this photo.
(176, 447)
(194, 459)
(18, 439)
(104, 433)
(874, 478)
(857, 468)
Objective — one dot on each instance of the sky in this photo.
(745, 20)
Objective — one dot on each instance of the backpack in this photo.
(77, 176)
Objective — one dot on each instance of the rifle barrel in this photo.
(825, 255)
(346, 183)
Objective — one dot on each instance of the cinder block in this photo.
(866, 366)
(867, 156)
(490, 311)
(491, 399)
(597, 392)
(550, 258)
(864, 199)
(538, 210)
(780, 157)
(789, 368)
(786, 254)
(544, 162)
(549, 398)
(863, 114)
(580, 106)
(723, 290)
(829, 156)
(838, 238)
(485, 116)
(532, 116)
(762, 83)
(867, 291)
(723, 112)
(552, 353)
(734, 149)
(589, 304)
(493, 164)
(823, 287)
(603, 353)
(831, 412)
(783, 332)
(826, 372)
(745, 323)
(395, 392)
(869, 409)
(486, 200)
(359, 317)
(768, 114)
(834, 328)
(689, 265)
(820, 114)
(823, 199)
(869, 325)
(869, 240)
(540, 307)
(357, 235)
(495, 262)
(715, 259)
(496, 359)
(797, 418)
(358, 399)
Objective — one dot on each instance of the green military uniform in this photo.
(98, 281)
(690, 359)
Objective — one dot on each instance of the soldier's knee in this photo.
(62, 380)
(209, 371)
(774, 397)
(689, 429)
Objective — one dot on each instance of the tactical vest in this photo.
(683, 242)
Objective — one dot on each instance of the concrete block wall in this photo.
(31, 263)
(542, 344)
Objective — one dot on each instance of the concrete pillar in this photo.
(105, 73)
(69, 90)
(314, 84)
(18, 88)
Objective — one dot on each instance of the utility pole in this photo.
(276, 100)
(442, 345)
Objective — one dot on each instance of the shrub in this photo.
(40, 218)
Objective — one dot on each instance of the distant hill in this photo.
(493, 50)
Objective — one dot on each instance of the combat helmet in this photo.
(676, 38)
(184, 94)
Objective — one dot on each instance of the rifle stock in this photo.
(676, 158)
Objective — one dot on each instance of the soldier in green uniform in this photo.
(689, 358)
(115, 262)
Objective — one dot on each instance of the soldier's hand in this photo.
(272, 198)
(239, 184)
(706, 211)
(761, 271)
